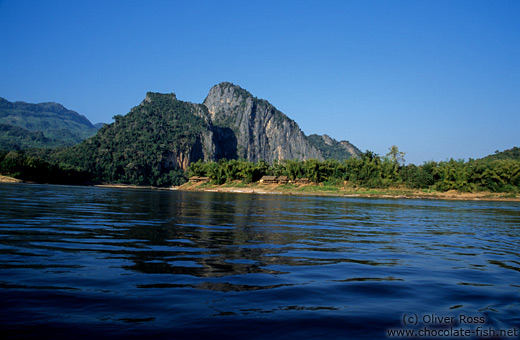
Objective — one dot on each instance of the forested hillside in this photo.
(148, 146)
(41, 125)
(513, 153)
(17, 138)
(332, 149)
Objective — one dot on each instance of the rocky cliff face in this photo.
(261, 131)
(349, 148)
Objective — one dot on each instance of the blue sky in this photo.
(439, 79)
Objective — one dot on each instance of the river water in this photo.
(85, 262)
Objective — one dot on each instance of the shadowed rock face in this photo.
(261, 131)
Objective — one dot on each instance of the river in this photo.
(89, 262)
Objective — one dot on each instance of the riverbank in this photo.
(347, 191)
(127, 186)
(318, 190)
(7, 179)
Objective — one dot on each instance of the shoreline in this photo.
(313, 190)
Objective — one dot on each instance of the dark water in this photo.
(81, 262)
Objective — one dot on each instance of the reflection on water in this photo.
(193, 264)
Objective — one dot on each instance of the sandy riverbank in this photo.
(317, 190)
(127, 186)
(7, 179)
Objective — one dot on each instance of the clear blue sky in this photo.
(439, 79)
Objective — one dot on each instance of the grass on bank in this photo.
(345, 190)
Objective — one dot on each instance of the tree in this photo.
(395, 155)
(13, 163)
(293, 169)
(312, 170)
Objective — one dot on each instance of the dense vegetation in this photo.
(144, 147)
(513, 153)
(42, 125)
(21, 165)
(333, 149)
(17, 138)
(372, 171)
(368, 171)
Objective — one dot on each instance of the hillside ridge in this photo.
(57, 125)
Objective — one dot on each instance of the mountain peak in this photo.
(226, 84)
(227, 92)
(154, 96)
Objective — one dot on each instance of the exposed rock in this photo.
(261, 131)
(350, 148)
(327, 139)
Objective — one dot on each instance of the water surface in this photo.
(123, 263)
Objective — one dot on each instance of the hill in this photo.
(17, 138)
(156, 141)
(150, 145)
(513, 153)
(332, 149)
(26, 125)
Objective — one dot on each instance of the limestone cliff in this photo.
(261, 131)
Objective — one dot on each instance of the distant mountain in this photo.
(159, 138)
(513, 153)
(41, 125)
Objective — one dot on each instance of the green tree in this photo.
(13, 163)
(312, 170)
(395, 155)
